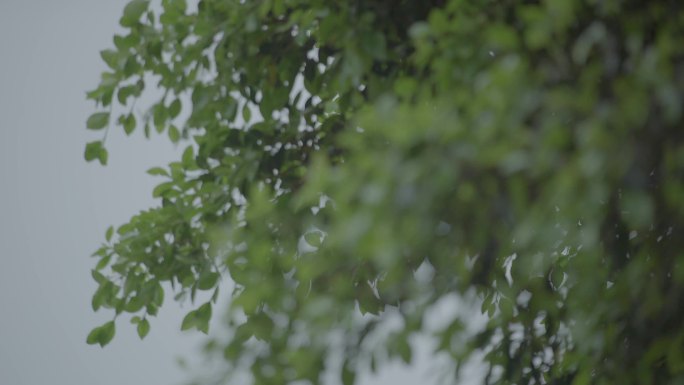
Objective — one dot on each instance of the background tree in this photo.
(525, 157)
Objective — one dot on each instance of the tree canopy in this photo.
(352, 162)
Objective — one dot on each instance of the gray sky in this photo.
(54, 208)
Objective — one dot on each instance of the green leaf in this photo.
(122, 95)
(158, 294)
(102, 156)
(104, 294)
(129, 124)
(374, 44)
(348, 374)
(102, 335)
(404, 350)
(174, 108)
(132, 12)
(202, 317)
(262, 326)
(208, 280)
(103, 262)
(159, 117)
(132, 67)
(143, 328)
(134, 304)
(161, 189)
(97, 276)
(132, 283)
(95, 150)
(158, 171)
(198, 319)
(111, 57)
(507, 308)
(313, 238)
(109, 233)
(102, 251)
(93, 336)
(152, 309)
(188, 157)
(106, 333)
(214, 297)
(120, 42)
(246, 113)
(174, 134)
(98, 120)
(189, 320)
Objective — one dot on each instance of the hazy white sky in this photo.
(54, 208)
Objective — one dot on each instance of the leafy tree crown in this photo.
(352, 163)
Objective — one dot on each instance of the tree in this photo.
(525, 157)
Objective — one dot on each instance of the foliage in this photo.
(522, 156)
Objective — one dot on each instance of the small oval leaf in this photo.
(98, 120)
(143, 328)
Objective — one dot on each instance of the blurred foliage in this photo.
(351, 162)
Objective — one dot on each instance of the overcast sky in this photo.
(55, 207)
